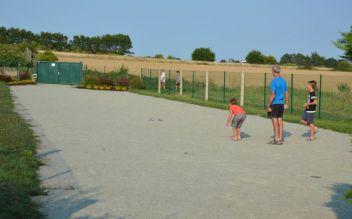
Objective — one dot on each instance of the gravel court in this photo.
(125, 164)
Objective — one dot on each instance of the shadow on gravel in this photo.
(64, 204)
(53, 151)
(245, 135)
(285, 135)
(342, 209)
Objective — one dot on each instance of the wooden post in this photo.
(181, 83)
(159, 83)
(206, 85)
(242, 88)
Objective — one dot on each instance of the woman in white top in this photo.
(163, 79)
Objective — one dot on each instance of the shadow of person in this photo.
(245, 135)
(340, 206)
(285, 135)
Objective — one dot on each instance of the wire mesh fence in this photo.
(253, 89)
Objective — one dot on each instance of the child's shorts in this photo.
(308, 117)
(238, 120)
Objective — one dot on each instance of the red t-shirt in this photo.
(236, 110)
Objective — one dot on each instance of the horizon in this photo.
(154, 29)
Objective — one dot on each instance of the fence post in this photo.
(192, 84)
(264, 93)
(320, 95)
(291, 98)
(181, 83)
(224, 91)
(150, 78)
(159, 82)
(206, 85)
(169, 82)
(242, 88)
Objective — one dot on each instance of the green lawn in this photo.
(335, 114)
(18, 164)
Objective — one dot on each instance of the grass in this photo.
(18, 170)
(335, 114)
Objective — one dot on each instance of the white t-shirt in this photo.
(163, 77)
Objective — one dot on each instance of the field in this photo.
(255, 74)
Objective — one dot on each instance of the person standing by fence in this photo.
(178, 80)
(278, 102)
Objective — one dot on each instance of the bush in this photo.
(105, 81)
(25, 76)
(344, 66)
(348, 196)
(90, 80)
(159, 56)
(47, 56)
(269, 60)
(255, 57)
(203, 54)
(123, 82)
(11, 55)
(172, 57)
(136, 82)
(24, 82)
(344, 87)
(331, 63)
(5, 78)
(222, 61)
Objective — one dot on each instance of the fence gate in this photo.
(59, 72)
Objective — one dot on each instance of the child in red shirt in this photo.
(236, 117)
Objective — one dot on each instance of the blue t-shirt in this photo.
(279, 86)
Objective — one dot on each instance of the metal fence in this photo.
(252, 89)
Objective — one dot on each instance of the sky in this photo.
(231, 28)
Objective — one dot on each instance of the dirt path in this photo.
(107, 158)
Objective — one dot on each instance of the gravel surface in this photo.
(123, 155)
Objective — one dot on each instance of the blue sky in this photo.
(230, 28)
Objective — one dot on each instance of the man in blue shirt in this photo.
(278, 102)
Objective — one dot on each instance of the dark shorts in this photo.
(308, 117)
(238, 120)
(277, 111)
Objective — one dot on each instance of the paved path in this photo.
(106, 159)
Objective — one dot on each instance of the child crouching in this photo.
(236, 117)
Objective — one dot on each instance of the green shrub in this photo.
(255, 57)
(136, 82)
(343, 87)
(11, 55)
(203, 54)
(159, 56)
(90, 80)
(47, 56)
(344, 66)
(348, 196)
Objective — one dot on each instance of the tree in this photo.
(203, 54)
(344, 65)
(317, 60)
(47, 56)
(255, 57)
(345, 44)
(56, 41)
(269, 60)
(331, 63)
(159, 56)
(11, 55)
(286, 59)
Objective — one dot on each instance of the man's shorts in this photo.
(277, 110)
(308, 117)
(238, 120)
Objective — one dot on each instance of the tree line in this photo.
(109, 43)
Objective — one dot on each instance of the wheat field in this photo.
(254, 73)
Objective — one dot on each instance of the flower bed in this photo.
(23, 82)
